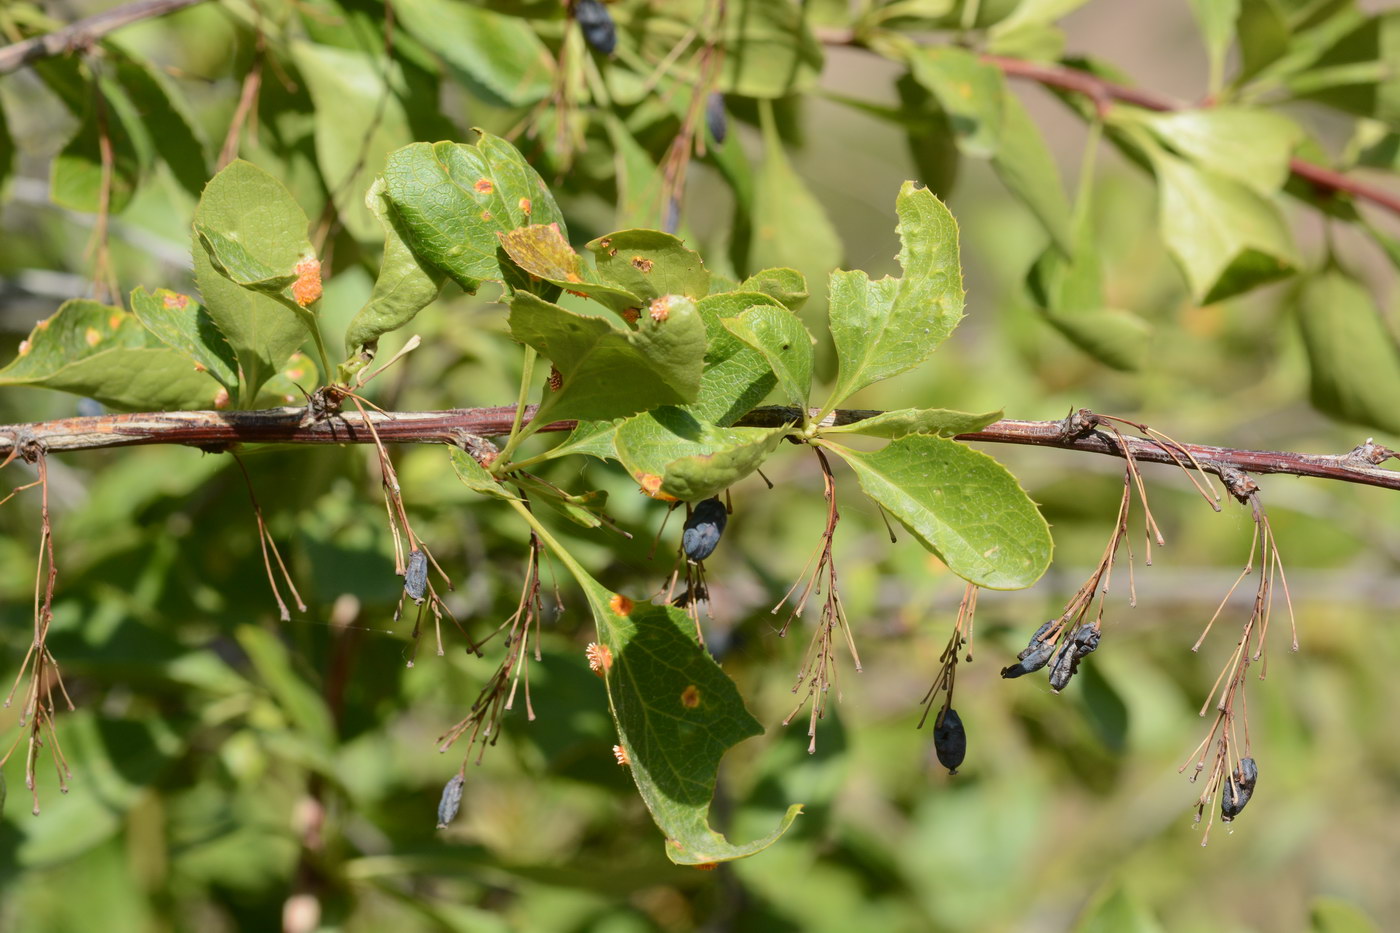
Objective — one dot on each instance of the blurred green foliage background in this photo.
(232, 772)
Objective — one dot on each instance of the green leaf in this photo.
(1353, 358)
(1357, 74)
(929, 136)
(1248, 145)
(961, 504)
(1334, 915)
(584, 509)
(1264, 36)
(676, 713)
(7, 150)
(590, 438)
(499, 58)
(405, 285)
(75, 179)
(303, 704)
(884, 328)
(360, 119)
(650, 264)
(1217, 21)
(790, 227)
(1069, 293)
(184, 325)
(104, 353)
(640, 185)
(971, 92)
(787, 286)
(1025, 165)
(610, 372)
(1225, 237)
(454, 198)
(250, 222)
(670, 451)
(475, 476)
(542, 251)
(736, 376)
(167, 119)
(786, 346)
(905, 421)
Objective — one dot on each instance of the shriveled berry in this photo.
(1066, 663)
(1234, 795)
(703, 528)
(715, 117)
(415, 578)
(950, 740)
(451, 801)
(1034, 656)
(1085, 640)
(597, 25)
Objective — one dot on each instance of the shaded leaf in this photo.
(584, 509)
(167, 119)
(75, 178)
(405, 284)
(104, 353)
(607, 371)
(1025, 165)
(894, 424)
(1334, 915)
(1119, 912)
(787, 286)
(184, 325)
(971, 92)
(670, 451)
(1216, 19)
(1357, 73)
(786, 346)
(790, 227)
(500, 58)
(736, 376)
(1353, 358)
(1264, 36)
(360, 119)
(961, 504)
(884, 328)
(453, 199)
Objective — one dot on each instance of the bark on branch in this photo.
(219, 430)
(85, 32)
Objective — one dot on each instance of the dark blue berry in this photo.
(703, 528)
(950, 740)
(597, 25)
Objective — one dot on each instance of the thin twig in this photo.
(85, 32)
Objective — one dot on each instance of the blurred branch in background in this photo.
(85, 32)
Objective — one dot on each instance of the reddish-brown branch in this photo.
(217, 431)
(1103, 93)
(85, 32)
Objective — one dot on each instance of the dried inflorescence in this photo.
(949, 735)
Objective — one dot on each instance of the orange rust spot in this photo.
(23, 347)
(630, 315)
(485, 215)
(599, 658)
(642, 264)
(651, 485)
(690, 697)
(621, 755)
(660, 309)
(295, 374)
(115, 321)
(44, 324)
(575, 294)
(200, 368)
(620, 604)
(175, 301)
(706, 866)
(485, 186)
(307, 287)
(92, 336)
(221, 398)
(605, 242)
(488, 458)
(556, 379)
(525, 206)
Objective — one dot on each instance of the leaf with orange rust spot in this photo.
(102, 352)
(650, 264)
(542, 251)
(676, 713)
(609, 371)
(185, 325)
(692, 459)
